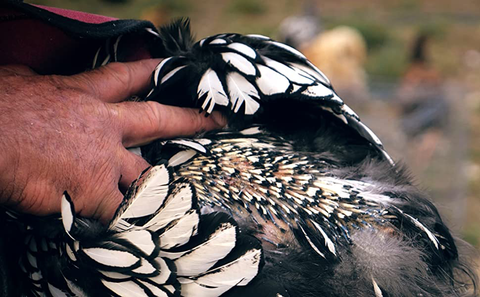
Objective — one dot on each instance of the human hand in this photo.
(69, 133)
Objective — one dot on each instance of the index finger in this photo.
(116, 81)
(143, 122)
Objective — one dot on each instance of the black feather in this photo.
(176, 37)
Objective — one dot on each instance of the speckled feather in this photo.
(260, 177)
(302, 205)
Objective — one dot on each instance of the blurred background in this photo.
(409, 68)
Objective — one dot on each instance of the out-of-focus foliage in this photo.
(388, 61)
(247, 7)
(374, 34)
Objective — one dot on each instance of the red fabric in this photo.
(48, 50)
(78, 15)
(41, 47)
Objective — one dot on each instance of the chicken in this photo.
(296, 197)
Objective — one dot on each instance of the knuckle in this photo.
(109, 205)
(100, 187)
(56, 80)
(81, 84)
(119, 72)
(153, 114)
(141, 122)
(105, 171)
(113, 111)
(59, 87)
(108, 199)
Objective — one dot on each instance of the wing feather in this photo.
(211, 85)
(242, 92)
(111, 258)
(293, 75)
(181, 231)
(150, 195)
(244, 49)
(204, 256)
(223, 278)
(176, 206)
(240, 63)
(271, 82)
(128, 288)
(141, 239)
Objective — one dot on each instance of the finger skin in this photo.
(143, 122)
(115, 82)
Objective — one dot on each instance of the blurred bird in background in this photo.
(423, 101)
(296, 197)
(340, 52)
(421, 94)
(300, 30)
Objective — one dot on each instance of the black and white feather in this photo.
(158, 244)
(244, 74)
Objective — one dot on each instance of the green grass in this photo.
(389, 61)
(248, 7)
(177, 7)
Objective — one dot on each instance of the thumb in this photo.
(115, 81)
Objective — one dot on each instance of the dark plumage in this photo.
(308, 189)
(393, 244)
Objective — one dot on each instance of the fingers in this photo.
(132, 167)
(143, 122)
(96, 194)
(116, 81)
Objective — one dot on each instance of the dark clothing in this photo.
(59, 41)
